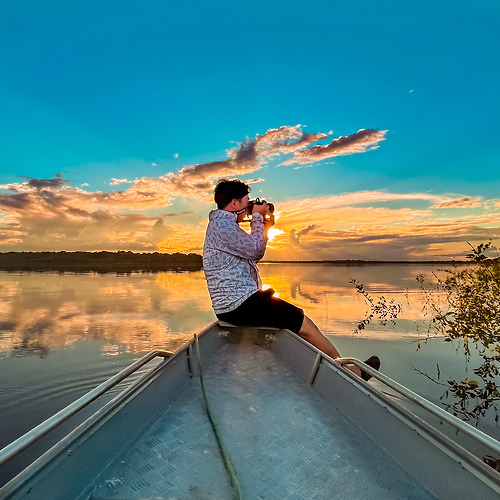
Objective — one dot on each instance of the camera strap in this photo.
(239, 212)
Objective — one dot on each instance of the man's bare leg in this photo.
(310, 332)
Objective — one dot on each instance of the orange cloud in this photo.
(195, 181)
(49, 214)
(466, 202)
(348, 226)
(360, 142)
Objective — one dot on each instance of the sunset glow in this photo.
(111, 144)
(273, 233)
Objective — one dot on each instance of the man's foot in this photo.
(373, 362)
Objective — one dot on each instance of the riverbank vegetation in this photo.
(98, 261)
(462, 307)
(469, 314)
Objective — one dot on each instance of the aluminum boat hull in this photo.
(293, 423)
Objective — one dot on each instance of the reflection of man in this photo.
(230, 258)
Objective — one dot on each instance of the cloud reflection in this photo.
(44, 311)
(136, 313)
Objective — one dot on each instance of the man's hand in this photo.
(266, 213)
(261, 209)
(269, 221)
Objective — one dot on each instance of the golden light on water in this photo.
(145, 311)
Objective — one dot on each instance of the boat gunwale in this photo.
(431, 433)
(56, 454)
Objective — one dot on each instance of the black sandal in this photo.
(373, 362)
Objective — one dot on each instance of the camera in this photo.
(258, 201)
(270, 216)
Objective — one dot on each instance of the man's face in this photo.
(242, 204)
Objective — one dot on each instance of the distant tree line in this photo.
(98, 261)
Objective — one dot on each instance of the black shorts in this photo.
(262, 309)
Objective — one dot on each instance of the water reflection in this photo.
(325, 293)
(139, 312)
(45, 311)
(62, 334)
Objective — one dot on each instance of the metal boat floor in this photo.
(284, 441)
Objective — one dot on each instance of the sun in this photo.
(273, 232)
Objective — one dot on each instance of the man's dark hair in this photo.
(226, 191)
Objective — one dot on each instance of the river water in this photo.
(63, 334)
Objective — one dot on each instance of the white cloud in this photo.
(114, 181)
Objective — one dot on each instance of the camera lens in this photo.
(258, 201)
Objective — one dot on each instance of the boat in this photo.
(255, 413)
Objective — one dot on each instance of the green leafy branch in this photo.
(382, 309)
(470, 314)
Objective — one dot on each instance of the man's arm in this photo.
(232, 239)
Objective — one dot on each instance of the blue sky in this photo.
(95, 91)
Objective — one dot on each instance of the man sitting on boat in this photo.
(230, 257)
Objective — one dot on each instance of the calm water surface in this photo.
(63, 334)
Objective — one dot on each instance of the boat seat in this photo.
(226, 324)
